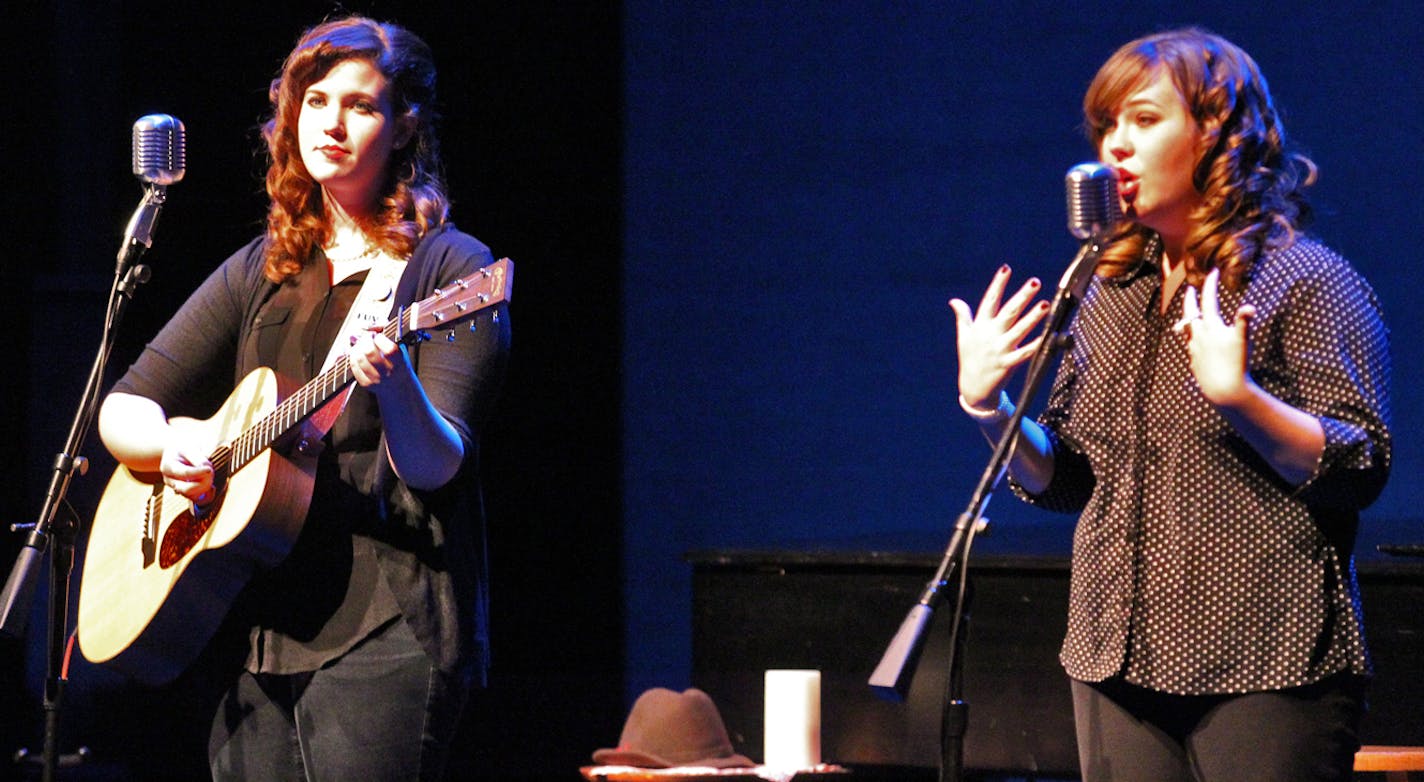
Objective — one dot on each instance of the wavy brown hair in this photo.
(1252, 188)
(413, 200)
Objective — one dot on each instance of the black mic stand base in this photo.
(55, 533)
(955, 723)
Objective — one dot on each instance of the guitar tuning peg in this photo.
(474, 326)
(451, 336)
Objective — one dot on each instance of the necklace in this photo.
(366, 252)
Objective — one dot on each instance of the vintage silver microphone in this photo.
(1093, 203)
(159, 160)
(159, 149)
(1094, 211)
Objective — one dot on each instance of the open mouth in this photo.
(1126, 185)
(1127, 190)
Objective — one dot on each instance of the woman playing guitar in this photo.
(362, 645)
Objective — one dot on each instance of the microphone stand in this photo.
(54, 533)
(891, 678)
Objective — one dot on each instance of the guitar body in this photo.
(159, 575)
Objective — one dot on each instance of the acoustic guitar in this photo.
(161, 573)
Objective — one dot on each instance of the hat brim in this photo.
(616, 757)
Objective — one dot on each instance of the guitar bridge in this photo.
(152, 512)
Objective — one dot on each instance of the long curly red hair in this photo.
(414, 199)
(1252, 188)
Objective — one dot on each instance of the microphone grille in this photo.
(159, 155)
(1093, 203)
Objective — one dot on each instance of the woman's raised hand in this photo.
(991, 338)
(1216, 347)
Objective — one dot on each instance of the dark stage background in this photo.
(531, 94)
(735, 226)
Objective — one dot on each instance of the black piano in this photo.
(836, 608)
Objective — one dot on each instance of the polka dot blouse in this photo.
(1196, 568)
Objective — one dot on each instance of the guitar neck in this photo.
(295, 409)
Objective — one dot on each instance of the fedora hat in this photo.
(666, 729)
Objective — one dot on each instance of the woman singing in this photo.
(1219, 421)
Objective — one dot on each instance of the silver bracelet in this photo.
(997, 415)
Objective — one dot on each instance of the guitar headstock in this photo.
(463, 298)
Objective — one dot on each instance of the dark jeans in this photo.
(380, 712)
(1302, 734)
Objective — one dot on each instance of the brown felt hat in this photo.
(666, 729)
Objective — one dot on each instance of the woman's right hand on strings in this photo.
(185, 465)
(142, 437)
(991, 338)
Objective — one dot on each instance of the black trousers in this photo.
(381, 713)
(1303, 734)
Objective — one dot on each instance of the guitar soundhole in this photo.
(185, 532)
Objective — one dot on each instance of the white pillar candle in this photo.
(792, 719)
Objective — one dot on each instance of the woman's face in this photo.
(1154, 143)
(346, 133)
